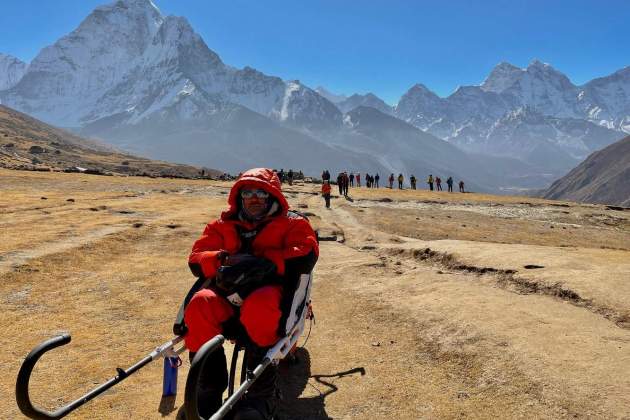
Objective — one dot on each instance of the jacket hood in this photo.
(262, 178)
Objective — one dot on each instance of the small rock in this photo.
(36, 149)
(70, 200)
(376, 344)
(137, 225)
(462, 394)
(173, 226)
(44, 198)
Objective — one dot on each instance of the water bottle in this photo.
(169, 383)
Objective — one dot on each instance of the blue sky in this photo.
(380, 46)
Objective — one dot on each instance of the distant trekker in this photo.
(340, 183)
(412, 181)
(290, 176)
(376, 178)
(438, 183)
(326, 193)
(401, 179)
(449, 182)
(358, 178)
(461, 186)
(430, 182)
(391, 181)
(351, 179)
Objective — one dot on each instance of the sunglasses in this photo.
(258, 193)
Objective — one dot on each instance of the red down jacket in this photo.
(282, 237)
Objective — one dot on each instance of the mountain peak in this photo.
(502, 76)
(419, 87)
(133, 4)
(332, 97)
(537, 63)
(419, 91)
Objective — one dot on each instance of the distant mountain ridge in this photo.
(127, 68)
(604, 177)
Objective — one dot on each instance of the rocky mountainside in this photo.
(231, 137)
(604, 177)
(11, 71)
(128, 60)
(515, 111)
(127, 69)
(26, 143)
(403, 148)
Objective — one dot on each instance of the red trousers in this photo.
(260, 314)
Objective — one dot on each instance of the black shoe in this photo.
(263, 398)
(212, 382)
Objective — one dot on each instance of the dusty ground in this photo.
(424, 305)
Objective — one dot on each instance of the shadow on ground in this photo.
(294, 378)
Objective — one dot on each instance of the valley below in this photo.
(427, 304)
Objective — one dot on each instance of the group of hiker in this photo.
(288, 176)
(435, 184)
(344, 181)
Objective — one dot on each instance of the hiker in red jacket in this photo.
(257, 223)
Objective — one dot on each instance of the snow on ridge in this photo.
(292, 88)
(12, 69)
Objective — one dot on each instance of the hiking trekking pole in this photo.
(24, 375)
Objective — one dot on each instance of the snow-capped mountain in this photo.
(11, 71)
(606, 100)
(369, 100)
(127, 60)
(542, 140)
(420, 107)
(528, 113)
(539, 86)
(403, 148)
(127, 69)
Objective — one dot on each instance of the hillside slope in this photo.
(602, 178)
(27, 143)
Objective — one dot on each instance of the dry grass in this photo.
(399, 333)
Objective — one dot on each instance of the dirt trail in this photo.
(397, 334)
(585, 368)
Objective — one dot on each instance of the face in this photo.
(255, 201)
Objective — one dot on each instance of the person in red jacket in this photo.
(258, 222)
